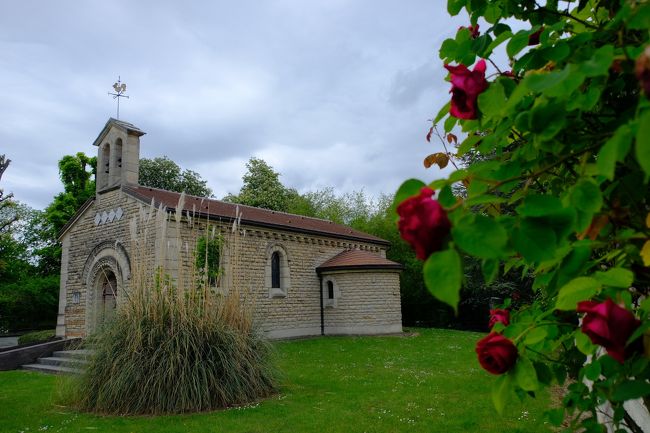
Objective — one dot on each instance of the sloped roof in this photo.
(129, 128)
(357, 259)
(217, 209)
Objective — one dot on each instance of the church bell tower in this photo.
(118, 155)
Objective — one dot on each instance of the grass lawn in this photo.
(427, 383)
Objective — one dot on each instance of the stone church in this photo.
(308, 276)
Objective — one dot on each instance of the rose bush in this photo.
(551, 180)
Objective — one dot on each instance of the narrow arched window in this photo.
(275, 270)
(330, 290)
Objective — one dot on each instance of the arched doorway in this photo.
(106, 273)
(108, 287)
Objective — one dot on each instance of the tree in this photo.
(5, 200)
(164, 173)
(28, 288)
(76, 173)
(559, 192)
(262, 188)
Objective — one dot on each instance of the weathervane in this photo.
(120, 89)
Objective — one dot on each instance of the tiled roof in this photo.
(357, 259)
(129, 128)
(254, 216)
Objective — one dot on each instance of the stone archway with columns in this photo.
(105, 276)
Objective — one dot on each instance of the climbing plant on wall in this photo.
(556, 141)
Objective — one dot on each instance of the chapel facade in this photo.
(307, 276)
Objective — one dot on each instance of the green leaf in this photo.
(468, 144)
(448, 49)
(615, 277)
(446, 196)
(613, 151)
(450, 122)
(480, 236)
(517, 43)
(408, 189)
(586, 196)
(490, 269)
(555, 416)
(558, 52)
(641, 18)
(442, 276)
(535, 336)
(547, 118)
(599, 63)
(526, 375)
(642, 148)
(539, 206)
(501, 392)
(584, 344)
(535, 241)
(492, 101)
(454, 6)
(503, 36)
(631, 390)
(442, 113)
(576, 290)
(592, 370)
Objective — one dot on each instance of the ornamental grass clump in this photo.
(176, 344)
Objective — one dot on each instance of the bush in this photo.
(37, 336)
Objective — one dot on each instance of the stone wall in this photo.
(365, 302)
(88, 244)
(369, 302)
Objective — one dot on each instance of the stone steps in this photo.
(61, 362)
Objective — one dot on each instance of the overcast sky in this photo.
(330, 93)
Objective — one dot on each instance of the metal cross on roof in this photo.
(120, 89)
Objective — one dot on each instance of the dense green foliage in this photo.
(28, 287)
(164, 173)
(208, 258)
(37, 336)
(558, 190)
(426, 383)
(262, 188)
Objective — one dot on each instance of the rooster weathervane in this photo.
(120, 89)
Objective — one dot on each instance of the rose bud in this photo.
(533, 39)
(423, 223)
(496, 353)
(466, 85)
(608, 325)
(499, 315)
(642, 70)
(473, 31)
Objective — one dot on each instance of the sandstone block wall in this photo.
(368, 302)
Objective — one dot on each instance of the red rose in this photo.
(499, 315)
(496, 353)
(466, 85)
(642, 70)
(608, 325)
(423, 223)
(533, 39)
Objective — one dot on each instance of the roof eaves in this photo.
(75, 217)
(377, 267)
(119, 124)
(372, 240)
